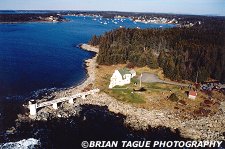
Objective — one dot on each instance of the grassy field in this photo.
(156, 95)
(126, 95)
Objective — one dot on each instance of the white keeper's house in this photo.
(121, 77)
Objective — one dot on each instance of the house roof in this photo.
(192, 93)
(124, 71)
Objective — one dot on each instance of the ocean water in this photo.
(38, 57)
(94, 123)
(35, 56)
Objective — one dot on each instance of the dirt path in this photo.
(152, 78)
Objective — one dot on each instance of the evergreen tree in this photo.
(180, 52)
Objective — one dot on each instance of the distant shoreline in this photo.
(26, 18)
(20, 22)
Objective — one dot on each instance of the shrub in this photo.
(130, 65)
(173, 97)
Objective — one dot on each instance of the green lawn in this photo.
(126, 94)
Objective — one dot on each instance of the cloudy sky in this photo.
(202, 7)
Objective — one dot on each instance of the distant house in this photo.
(192, 94)
(121, 77)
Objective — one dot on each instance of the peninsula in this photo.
(138, 116)
(26, 17)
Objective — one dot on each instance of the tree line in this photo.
(182, 53)
(28, 17)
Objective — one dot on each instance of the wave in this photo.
(37, 94)
(24, 144)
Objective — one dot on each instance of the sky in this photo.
(200, 7)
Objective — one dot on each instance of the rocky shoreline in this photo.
(202, 128)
